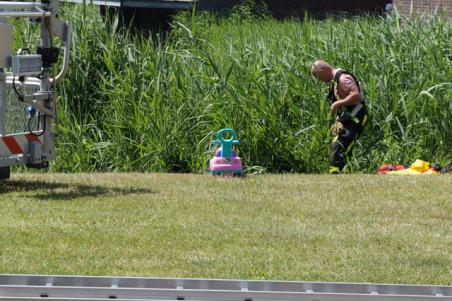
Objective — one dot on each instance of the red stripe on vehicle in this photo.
(31, 137)
(11, 143)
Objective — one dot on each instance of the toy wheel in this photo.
(5, 172)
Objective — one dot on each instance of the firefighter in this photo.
(347, 104)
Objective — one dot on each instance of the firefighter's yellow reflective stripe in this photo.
(349, 147)
(334, 169)
(364, 120)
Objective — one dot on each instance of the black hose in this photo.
(43, 126)
(19, 96)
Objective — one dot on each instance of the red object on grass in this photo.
(385, 168)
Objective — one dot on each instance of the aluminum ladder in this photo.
(89, 288)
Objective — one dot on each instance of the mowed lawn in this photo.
(358, 228)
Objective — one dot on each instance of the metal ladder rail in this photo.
(78, 288)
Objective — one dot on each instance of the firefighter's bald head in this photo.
(322, 71)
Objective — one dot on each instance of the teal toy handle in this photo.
(226, 144)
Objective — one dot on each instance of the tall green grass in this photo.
(152, 104)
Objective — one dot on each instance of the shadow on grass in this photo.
(49, 191)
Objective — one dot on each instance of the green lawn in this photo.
(289, 227)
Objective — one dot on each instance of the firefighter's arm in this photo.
(353, 96)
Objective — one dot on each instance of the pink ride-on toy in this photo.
(226, 162)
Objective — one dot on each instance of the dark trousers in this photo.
(343, 141)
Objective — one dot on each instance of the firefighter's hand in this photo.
(334, 107)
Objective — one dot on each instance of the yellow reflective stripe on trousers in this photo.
(349, 147)
(364, 120)
(353, 142)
